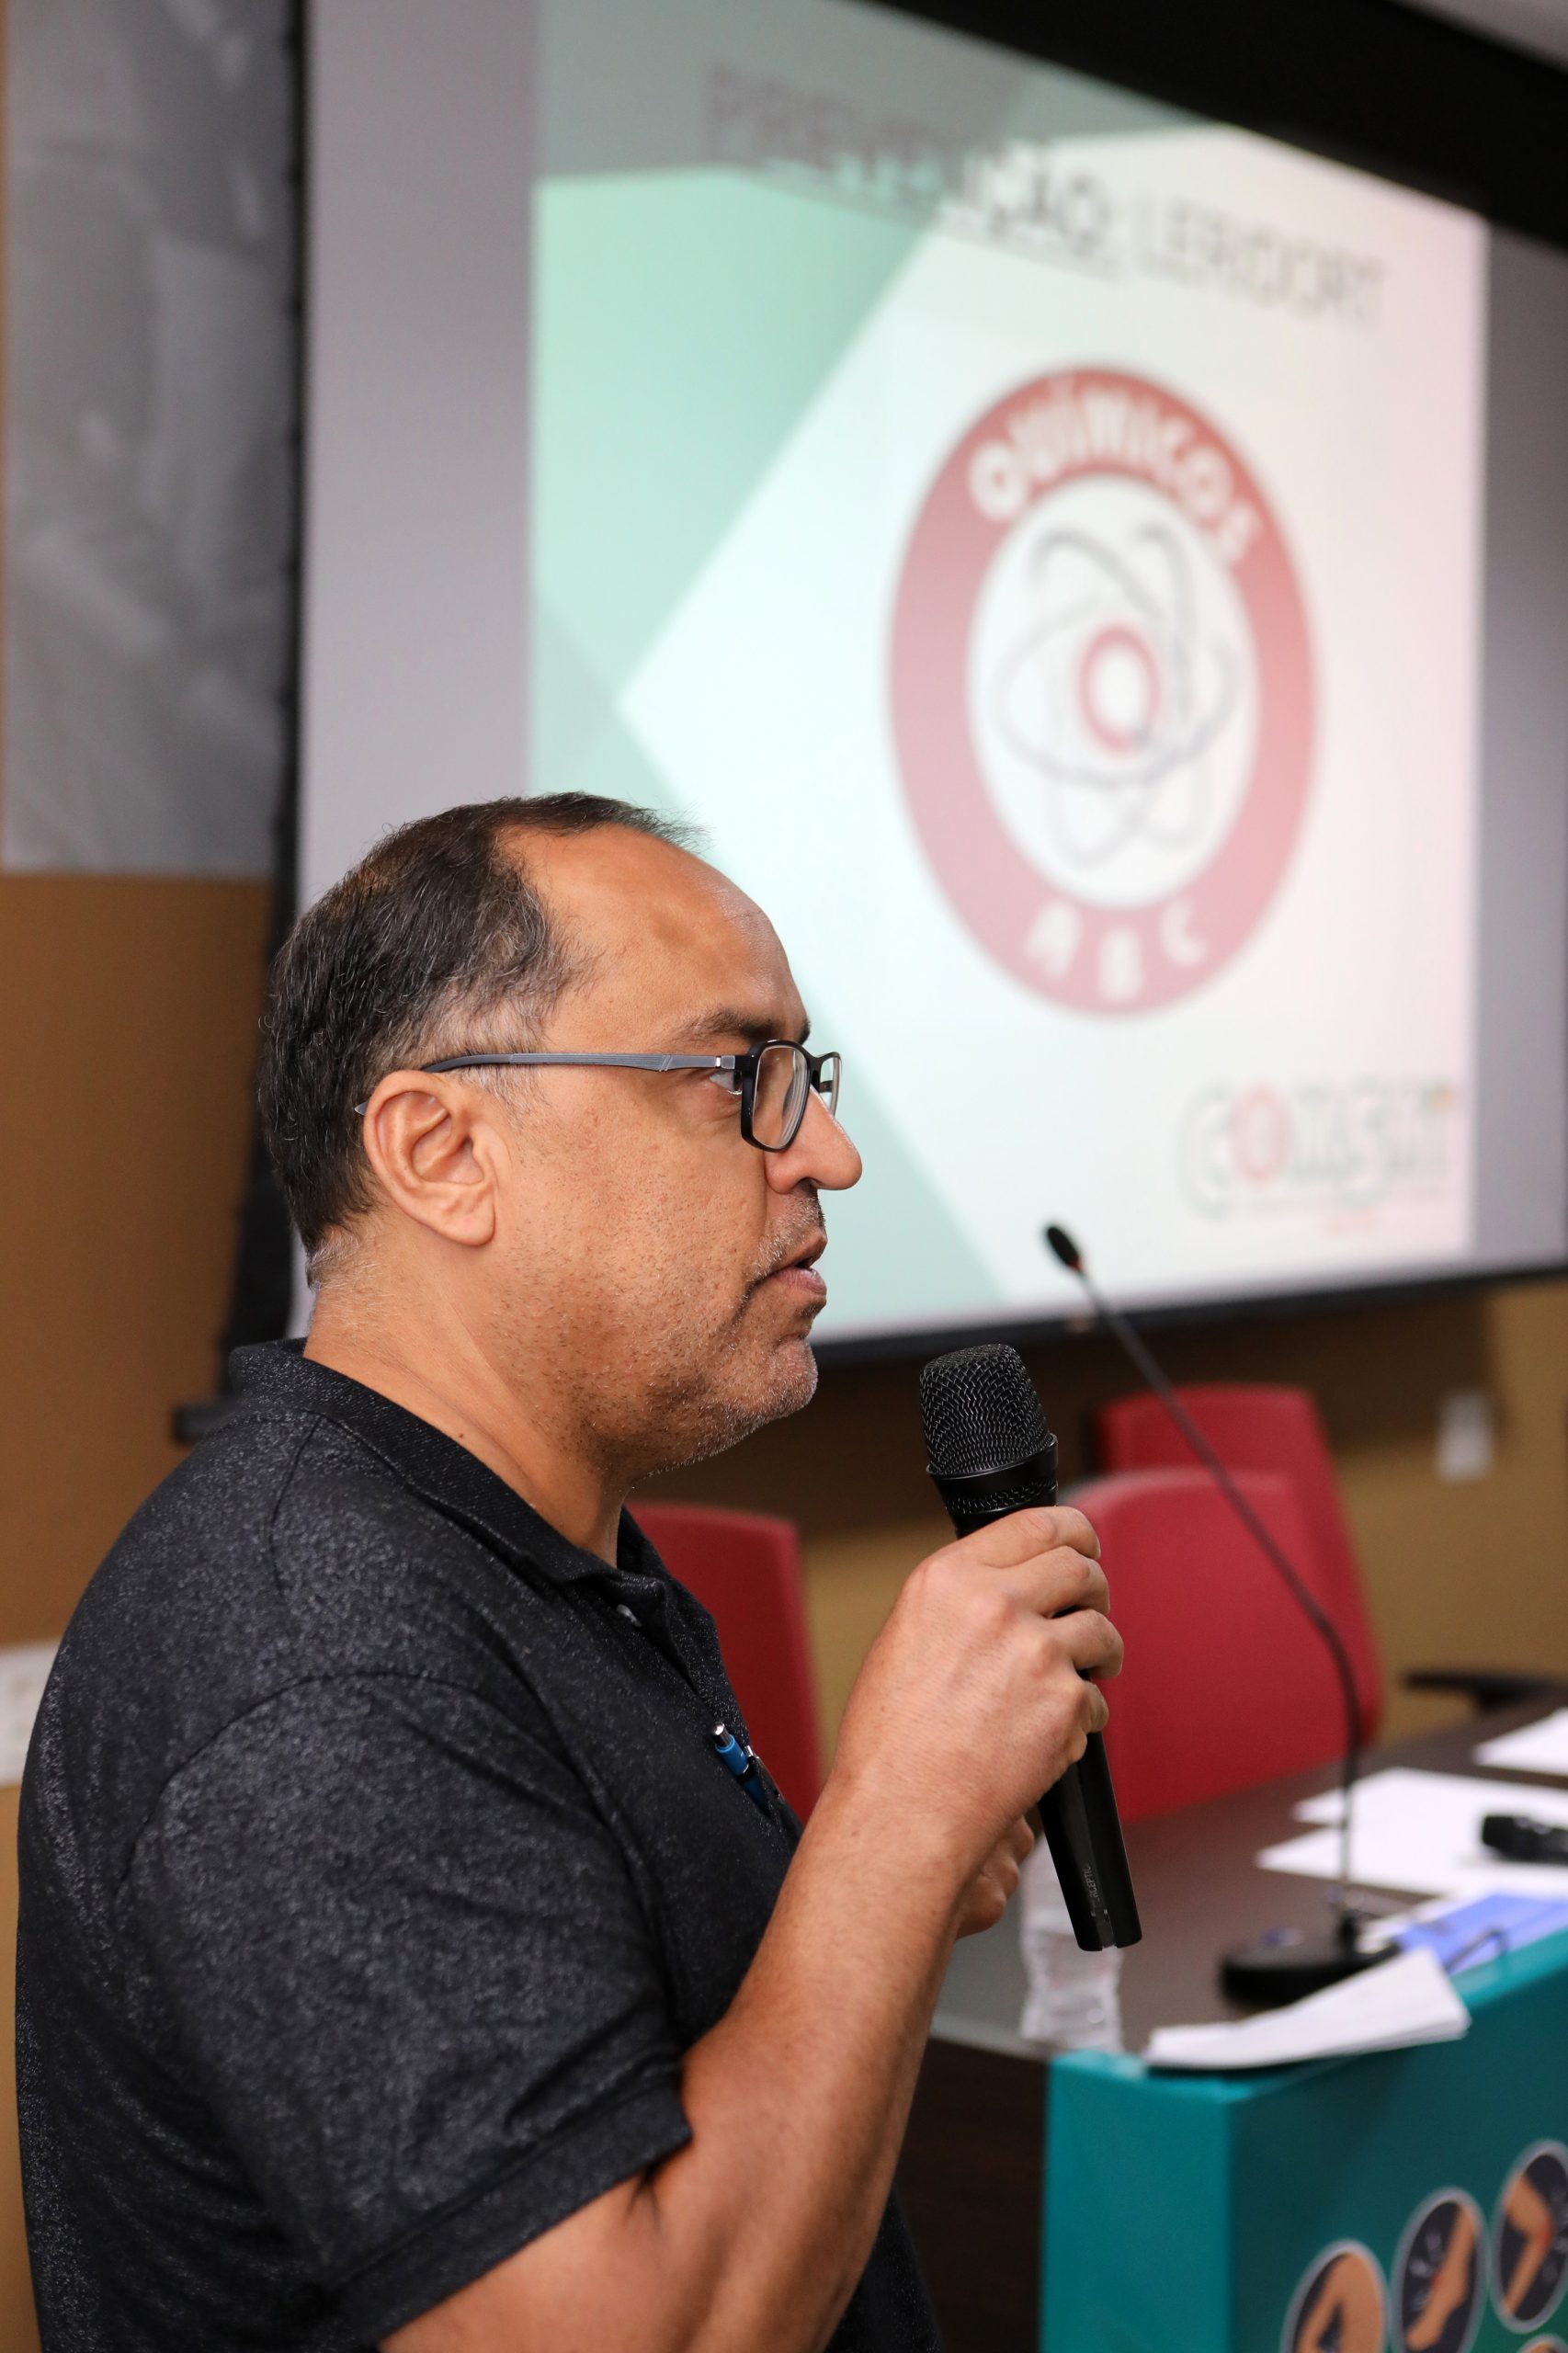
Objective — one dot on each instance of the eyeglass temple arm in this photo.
(579, 1061)
(615, 1061)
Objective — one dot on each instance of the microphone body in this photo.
(1078, 1814)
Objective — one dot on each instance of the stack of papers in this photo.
(1535, 1748)
(1389, 2007)
(1421, 1831)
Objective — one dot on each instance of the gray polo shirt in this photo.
(377, 1869)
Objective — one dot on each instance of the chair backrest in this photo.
(745, 1571)
(1257, 1427)
(1226, 1683)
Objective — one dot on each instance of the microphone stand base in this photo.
(1287, 1964)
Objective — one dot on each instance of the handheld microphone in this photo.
(1282, 1966)
(990, 1453)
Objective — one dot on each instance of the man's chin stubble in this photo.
(697, 1421)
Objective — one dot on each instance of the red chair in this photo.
(1254, 1427)
(745, 1571)
(1226, 1684)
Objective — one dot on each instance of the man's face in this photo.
(660, 1265)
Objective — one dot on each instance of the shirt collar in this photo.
(278, 1374)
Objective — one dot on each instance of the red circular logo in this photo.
(1102, 695)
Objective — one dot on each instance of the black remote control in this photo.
(1523, 1841)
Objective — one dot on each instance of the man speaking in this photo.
(401, 1963)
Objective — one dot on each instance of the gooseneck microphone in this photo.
(1282, 1967)
(990, 1453)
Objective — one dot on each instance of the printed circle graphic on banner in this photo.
(1340, 2304)
(1530, 2237)
(1439, 2276)
(1102, 690)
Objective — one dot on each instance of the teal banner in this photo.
(1413, 2200)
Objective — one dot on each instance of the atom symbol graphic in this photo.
(1102, 690)
(1116, 693)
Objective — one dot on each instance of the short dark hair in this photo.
(436, 929)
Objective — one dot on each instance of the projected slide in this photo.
(1042, 545)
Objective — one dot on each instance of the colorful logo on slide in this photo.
(1102, 695)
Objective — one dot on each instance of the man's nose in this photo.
(821, 1154)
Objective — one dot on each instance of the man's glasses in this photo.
(775, 1081)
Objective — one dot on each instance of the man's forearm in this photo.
(756, 2232)
(798, 2098)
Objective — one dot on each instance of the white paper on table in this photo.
(1535, 1748)
(24, 1671)
(1389, 2007)
(1421, 1831)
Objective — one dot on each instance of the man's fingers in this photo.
(1018, 1839)
(1051, 1583)
(1042, 1528)
(1003, 1864)
(1091, 1642)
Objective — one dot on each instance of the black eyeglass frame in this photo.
(818, 1068)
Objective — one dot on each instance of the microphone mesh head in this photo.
(978, 1410)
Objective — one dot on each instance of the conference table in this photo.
(991, 2113)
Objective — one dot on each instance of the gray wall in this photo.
(149, 412)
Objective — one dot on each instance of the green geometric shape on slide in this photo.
(683, 323)
(614, 762)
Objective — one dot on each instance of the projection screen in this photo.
(1097, 576)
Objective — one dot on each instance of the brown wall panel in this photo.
(127, 1024)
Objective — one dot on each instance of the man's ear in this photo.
(437, 1151)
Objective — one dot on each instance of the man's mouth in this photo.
(799, 1275)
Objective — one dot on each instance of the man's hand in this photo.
(973, 1697)
(996, 1882)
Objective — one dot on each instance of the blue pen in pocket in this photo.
(741, 1762)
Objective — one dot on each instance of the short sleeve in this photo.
(407, 1965)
